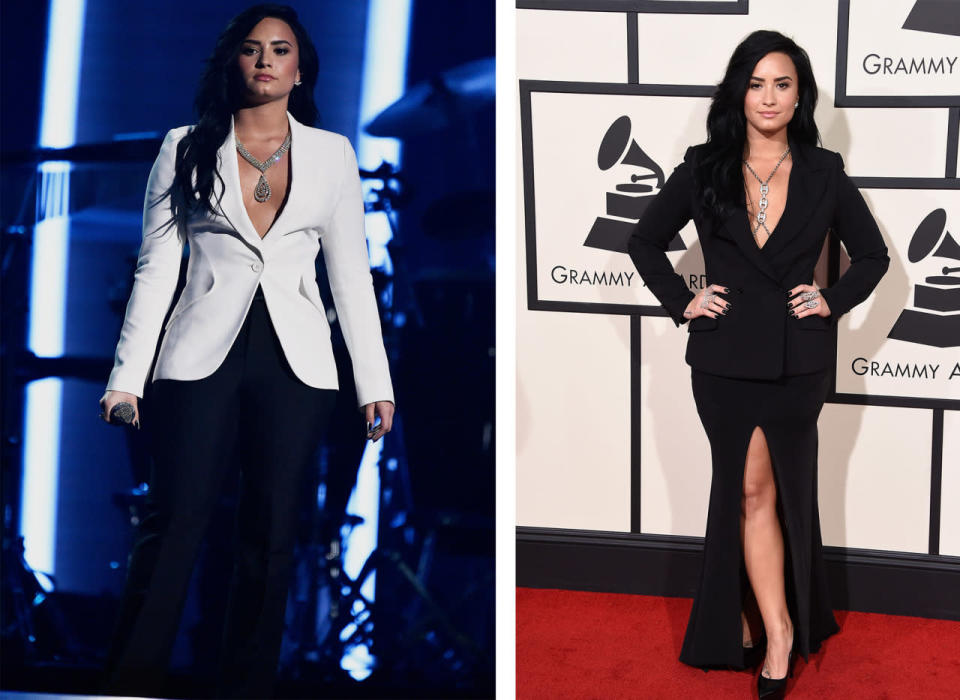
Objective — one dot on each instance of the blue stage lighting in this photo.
(384, 79)
(48, 273)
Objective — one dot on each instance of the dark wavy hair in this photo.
(219, 95)
(718, 171)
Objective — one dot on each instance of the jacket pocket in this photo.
(702, 323)
(310, 293)
(185, 301)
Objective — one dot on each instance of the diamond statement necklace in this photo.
(764, 189)
(262, 192)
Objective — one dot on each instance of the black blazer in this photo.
(756, 338)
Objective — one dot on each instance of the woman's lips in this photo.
(263, 77)
(768, 115)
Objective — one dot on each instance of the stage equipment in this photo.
(443, 102)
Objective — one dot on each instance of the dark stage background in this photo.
(428, 628)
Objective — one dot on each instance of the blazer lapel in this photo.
(738, 224)
(231, 203)
(806, 187)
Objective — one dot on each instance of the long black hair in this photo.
(718, 171)
(219, 94)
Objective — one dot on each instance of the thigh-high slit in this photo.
(786, 410)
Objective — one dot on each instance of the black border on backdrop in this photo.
(682, 7)
(527, 88)
(863, 580)
(842, 99)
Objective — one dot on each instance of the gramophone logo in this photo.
(627, 203)
(934, 16)
(935, 318)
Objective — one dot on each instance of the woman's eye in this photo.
(754, 85)
(783, 86)
(282, 51)
(248, 51)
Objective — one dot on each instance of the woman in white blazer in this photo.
(246, 365)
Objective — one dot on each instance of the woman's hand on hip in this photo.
(382, 410)
(708, 303)
(112, 398)
(806, 300)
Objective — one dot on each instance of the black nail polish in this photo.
(789, 304)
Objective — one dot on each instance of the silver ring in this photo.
(811, 303)
(707, 298)
(807, 296)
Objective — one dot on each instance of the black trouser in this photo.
(255, 406)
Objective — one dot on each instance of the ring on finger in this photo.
(707, 300)
(807, 296)
(811, 303)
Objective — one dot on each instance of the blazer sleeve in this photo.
(348, 269)
(158, 267)
(664, 217)
(857, 229)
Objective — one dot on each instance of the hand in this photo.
(383, 409)
(112, 398)
(809, 302)
(707, 303)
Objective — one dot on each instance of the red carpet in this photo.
(605, 645)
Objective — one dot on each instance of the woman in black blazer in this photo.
(763, 196)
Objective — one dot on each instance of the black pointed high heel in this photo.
(775, 688)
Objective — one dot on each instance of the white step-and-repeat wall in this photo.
(607, 433)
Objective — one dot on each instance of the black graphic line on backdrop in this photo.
(953, 141)
(633, 48)
(679, 7)
(936, 479)
(636, 411)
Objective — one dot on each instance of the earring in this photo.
(297, 83)
(795, 104)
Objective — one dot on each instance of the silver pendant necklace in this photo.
(764, 189)
(262, 192)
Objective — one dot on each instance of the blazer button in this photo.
(256, 267)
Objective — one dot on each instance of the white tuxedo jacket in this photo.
(228, 259)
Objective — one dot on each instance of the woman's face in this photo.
(268, 61)
(771, 94)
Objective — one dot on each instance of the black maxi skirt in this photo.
(786, 409)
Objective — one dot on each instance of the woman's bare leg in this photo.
(763, 552)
